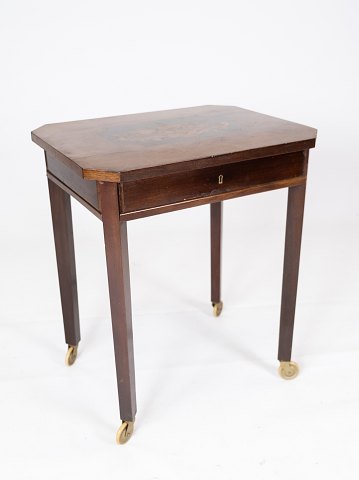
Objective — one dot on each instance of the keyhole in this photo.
(220, 179)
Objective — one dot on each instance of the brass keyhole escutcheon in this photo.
(220, 179)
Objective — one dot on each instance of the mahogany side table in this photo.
(132, 166)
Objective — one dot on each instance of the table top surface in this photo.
(130, 147)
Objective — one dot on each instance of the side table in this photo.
(132, 166)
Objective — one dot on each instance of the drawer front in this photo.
(209, 182)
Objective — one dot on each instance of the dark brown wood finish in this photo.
(214, 198)
(133, 166)
(65, 255)
(295, 212)
(73, 194)
(216, 250)
(115, 233)
(209, 182)
(132, 147)
(85, 189)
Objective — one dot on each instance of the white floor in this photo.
(210, 402)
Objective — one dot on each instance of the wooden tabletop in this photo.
(145, 145)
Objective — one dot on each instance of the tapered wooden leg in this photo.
(216, 240)
(115, 233)
(65, 256)
(296, 198)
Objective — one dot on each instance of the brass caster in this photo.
(288, 370)
(124, 433)
(217, 308)
(71, 355)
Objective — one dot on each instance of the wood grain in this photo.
(131, 147)
(167, 189)
(74, 195)
(115, 233)
(65, 255)
(295, 212)
(84, 188)
(216, 250)
(214, 198)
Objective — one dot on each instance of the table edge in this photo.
(171, 168)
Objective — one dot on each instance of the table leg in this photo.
(295, 211)
(115, 233)
(216, 240)
(65, 255)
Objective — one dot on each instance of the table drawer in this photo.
(210, 182)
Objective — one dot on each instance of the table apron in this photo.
(162, 194)
(166, 193)
(85, 191)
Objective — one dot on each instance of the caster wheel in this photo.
(217, 308)
(71, 355)
(124, 433)
(288, 370)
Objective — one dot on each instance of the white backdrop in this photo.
(210, 403)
